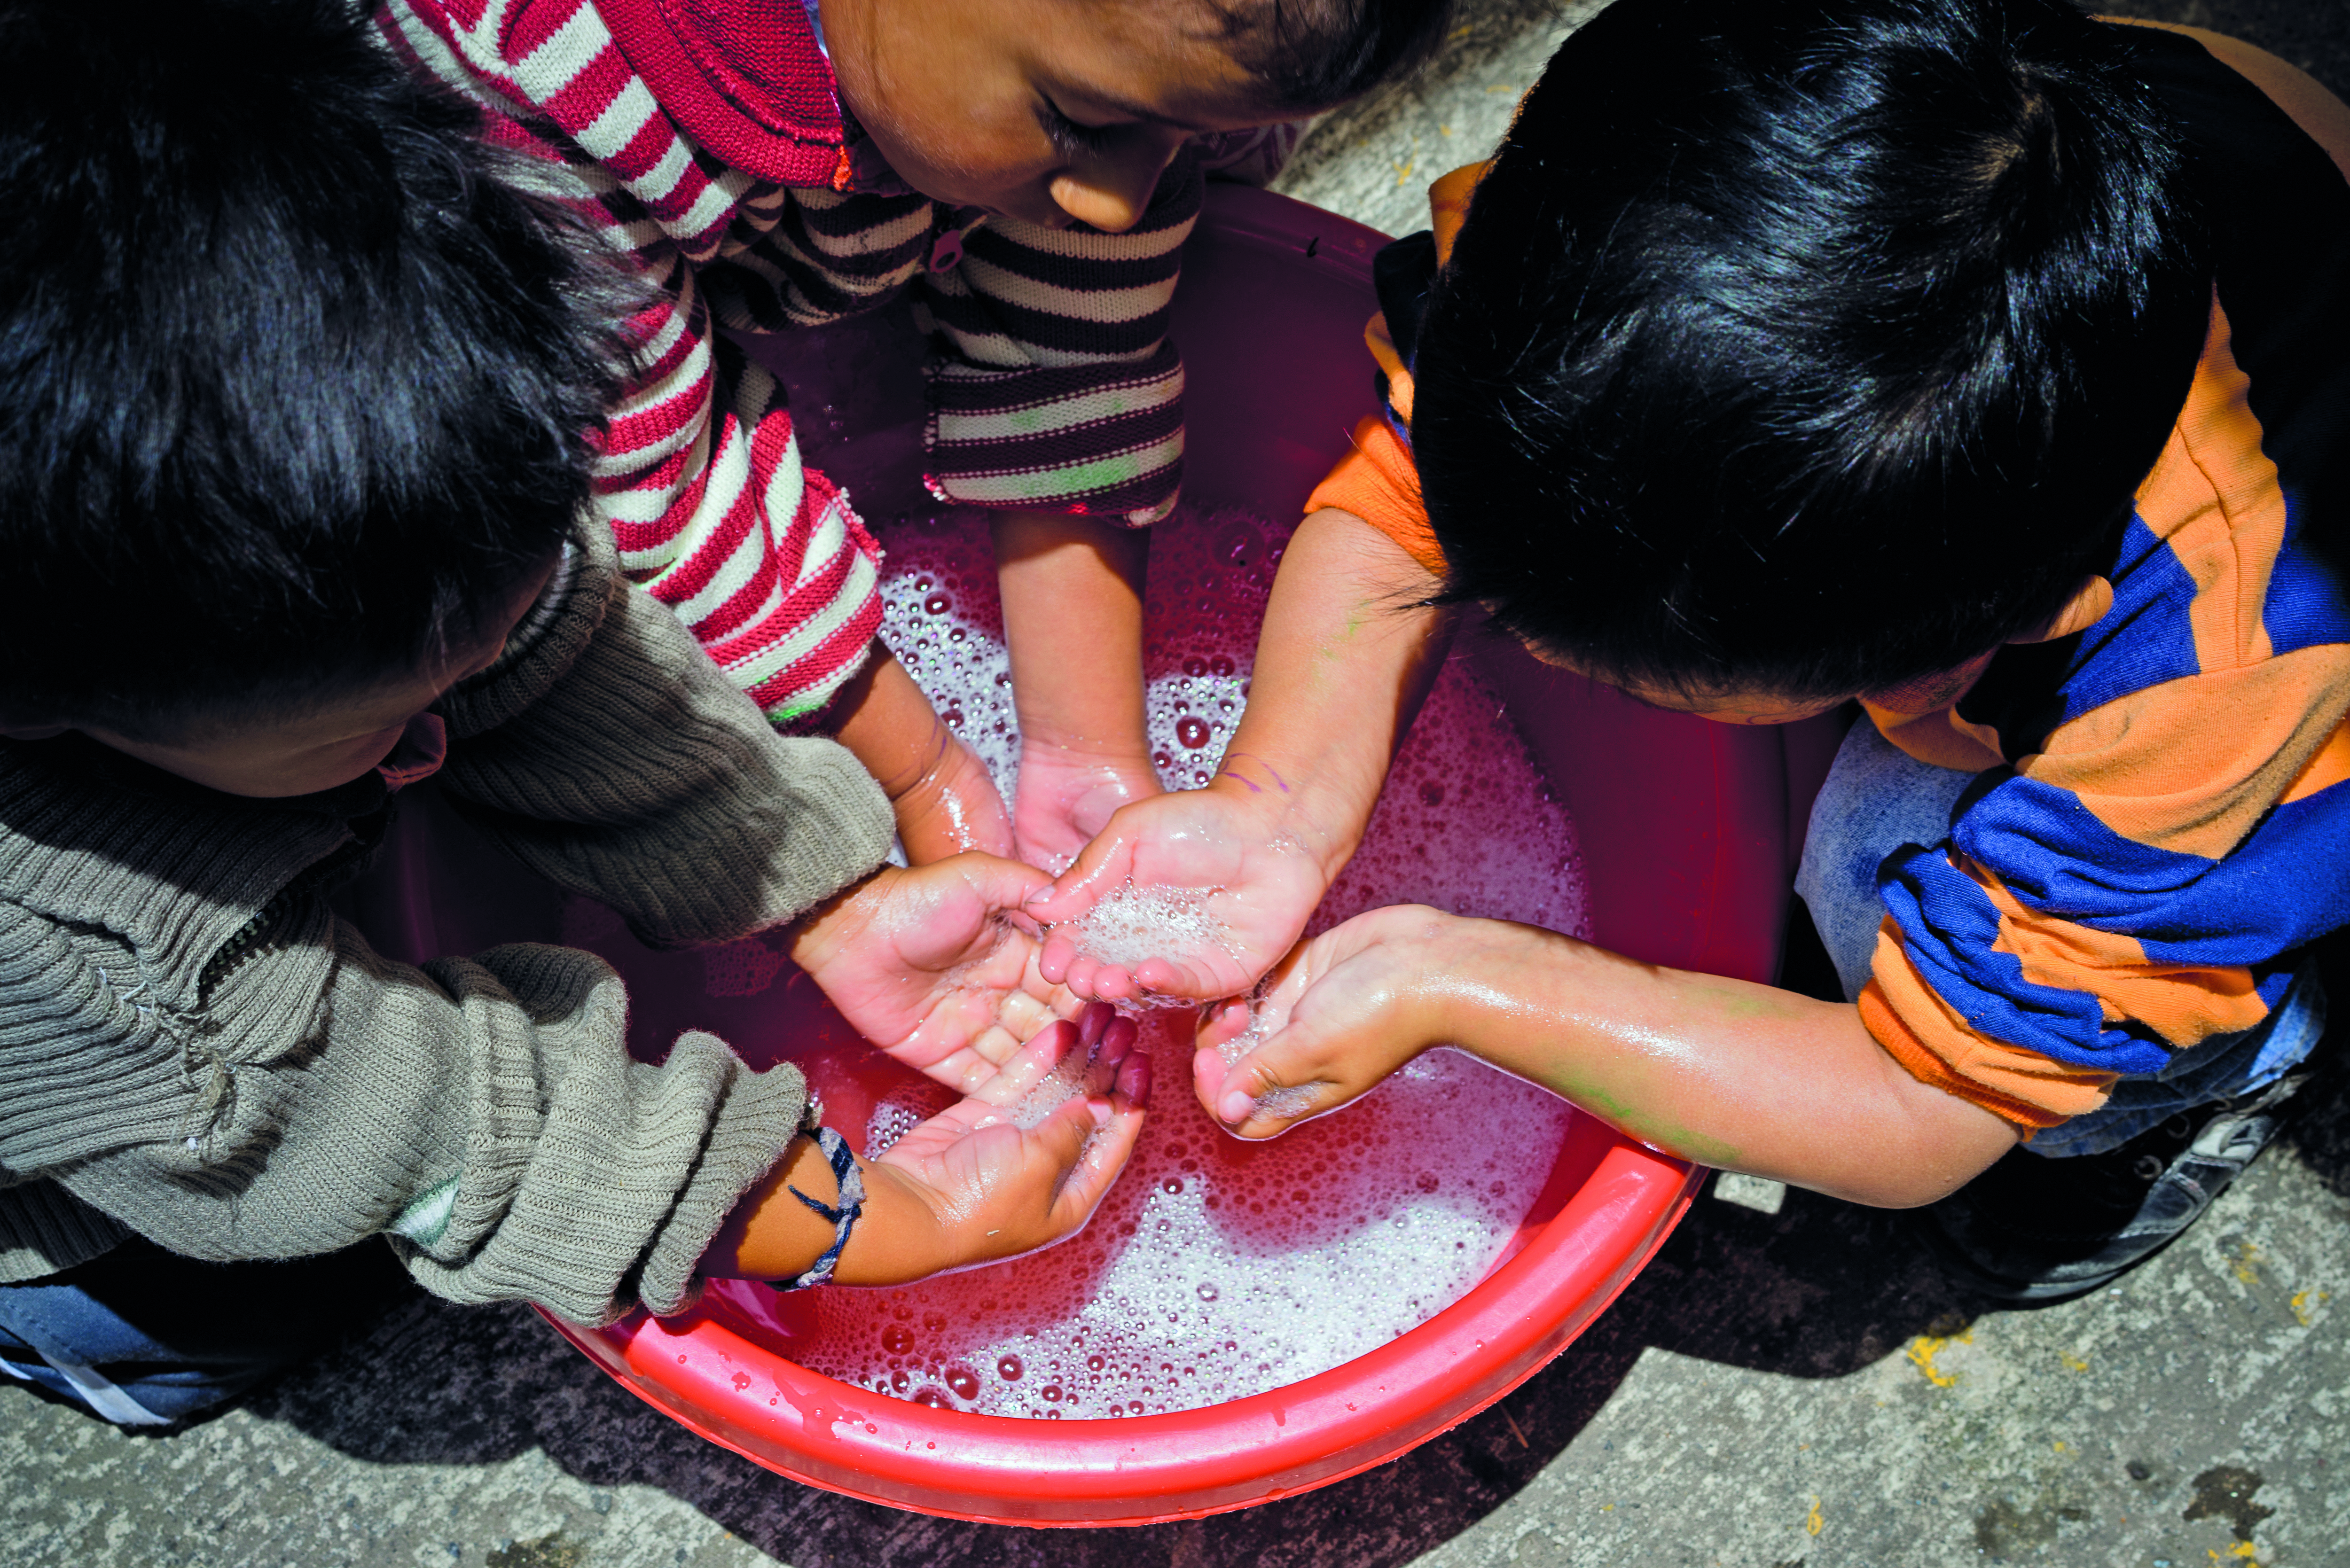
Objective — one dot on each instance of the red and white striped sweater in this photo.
(707, 142)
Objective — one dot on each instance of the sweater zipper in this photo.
(241, 945)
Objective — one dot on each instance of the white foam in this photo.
(1216, 1268)
(1136, 923)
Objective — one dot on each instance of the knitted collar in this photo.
(745, 79)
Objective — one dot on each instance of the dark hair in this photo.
(295, 381)
(1808, 347)
(1316, 53)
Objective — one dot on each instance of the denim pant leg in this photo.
(1877, 798)
(144, 1337)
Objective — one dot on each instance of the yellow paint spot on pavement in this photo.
(2303, 1302)
(2073, 1363)
(1926, 1346)
(1813, 1522)
(2247, 1264)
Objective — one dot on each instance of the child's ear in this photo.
(2085, 610)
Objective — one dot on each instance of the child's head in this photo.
(1798, 349)
(297, 388)
(1068, 110)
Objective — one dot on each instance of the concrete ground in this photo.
(1788, 1389)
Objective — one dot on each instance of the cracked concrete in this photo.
(1787, 1390)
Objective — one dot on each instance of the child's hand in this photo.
(1345, 1011)
(951, 808)
(972, 1186)
(938, 791)
(1261, 884)
(969, 1186)
(1066, 797)
(927, 965)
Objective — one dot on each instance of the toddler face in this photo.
(1053, 111)
(302, 752)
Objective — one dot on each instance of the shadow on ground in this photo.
(1819, 1290)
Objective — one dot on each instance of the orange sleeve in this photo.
(1377, 482)
(1934, 1045)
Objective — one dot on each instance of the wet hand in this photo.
(930, 965)
(1342, 1013)
(1257, 880)
(972, 1186)
(952, 807)
(1067, 796)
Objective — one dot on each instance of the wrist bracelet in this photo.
(843, 1214)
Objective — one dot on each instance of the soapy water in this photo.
(1216, 1268)
(1131, 924)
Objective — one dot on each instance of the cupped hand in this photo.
(929, 964)
(951, 808)
(1343, 1012)
(1258, 881)
(1068, 795)
(995, 1188)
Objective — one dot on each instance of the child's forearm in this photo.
(1072, 590)
(1722, 1070)
(1346, 656)
(772, 1235)
(940, 795)
(885, 720)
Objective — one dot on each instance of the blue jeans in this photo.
(144, 1337)
(1878, 798)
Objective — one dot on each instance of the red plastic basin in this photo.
(1687, 832)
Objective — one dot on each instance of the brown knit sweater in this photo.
(194, 1048)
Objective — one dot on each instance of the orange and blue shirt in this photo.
(2160, 822)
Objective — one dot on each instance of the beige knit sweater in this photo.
(193, 1047)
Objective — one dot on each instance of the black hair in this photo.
(1313, 55)
(296, 379)
(1808, 347)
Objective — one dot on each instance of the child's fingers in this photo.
(1090, 1141)
(1000, 883)
(1103, 864)
(1222, 1020)
(1063, 964)
(1028, 1067)
(1172, 977)
(1264, 1093)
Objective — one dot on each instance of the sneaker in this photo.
(2036, 1229)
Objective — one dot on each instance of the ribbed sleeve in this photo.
(45, 1228)
(643, 778)
(1056, 387)
(565, 1173)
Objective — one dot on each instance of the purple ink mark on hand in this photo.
(1279, 783)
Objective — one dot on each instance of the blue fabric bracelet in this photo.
(843, 1215)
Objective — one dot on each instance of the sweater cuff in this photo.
(1103, 439)
(761, 1115)
(45, 1230)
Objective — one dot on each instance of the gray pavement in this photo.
(1797, 1390)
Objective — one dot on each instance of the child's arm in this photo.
(1719, 1071)
(938, 791)
(969, 1186)
(1072, 591)
(1344, 658)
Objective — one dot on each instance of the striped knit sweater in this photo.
(712, 148)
